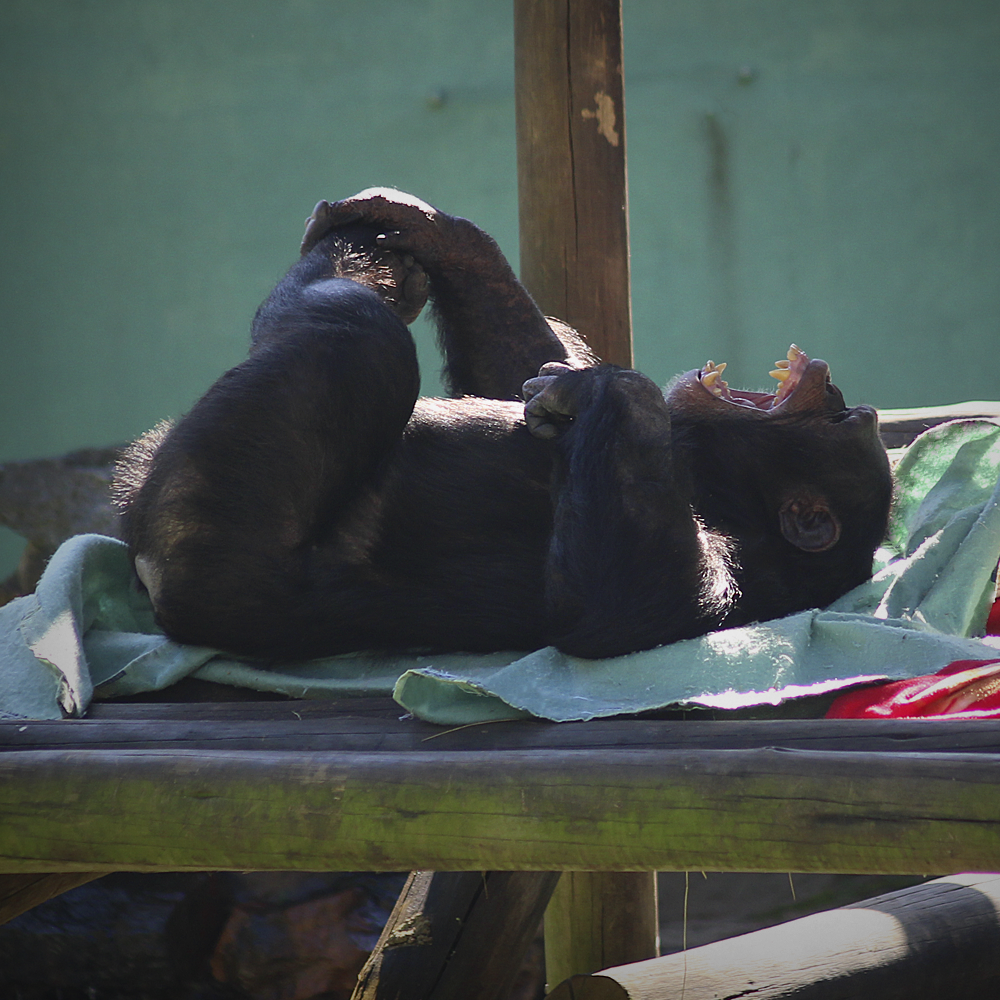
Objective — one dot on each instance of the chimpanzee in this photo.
(311, 504)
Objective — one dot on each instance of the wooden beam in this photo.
(19, 893)
(571, 172)
(933, 940)
(565, 810)
(314, 725)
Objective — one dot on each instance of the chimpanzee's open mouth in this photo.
(788, 372)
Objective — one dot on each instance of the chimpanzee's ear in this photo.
(809, 524)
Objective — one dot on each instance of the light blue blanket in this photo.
(87, 632)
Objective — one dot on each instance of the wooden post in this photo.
(573, 209)
(572, 190)
(454, 935)
(595, 919)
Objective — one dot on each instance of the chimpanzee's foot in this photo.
(383, 208)
(400, 280)
(394, 213)
(404, 224)
(356, 252)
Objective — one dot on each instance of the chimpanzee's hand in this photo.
(554, 398)
(559, 394)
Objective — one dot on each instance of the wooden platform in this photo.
(352, 786)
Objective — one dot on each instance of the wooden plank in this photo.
(933, 940)
(454, 935)
(599, 919)
(899, 427)
(19, 893)
(565, 810)
(571, 174)
(298, 728)
(288, 709)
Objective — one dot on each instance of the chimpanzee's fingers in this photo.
(546, 413)
(546, 374)
(550, 400)
(540, 426)
(534, 386)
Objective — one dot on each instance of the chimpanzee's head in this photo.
(800, 480)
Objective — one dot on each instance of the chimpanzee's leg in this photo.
(629, 566)
(493, 335)
(225, 515)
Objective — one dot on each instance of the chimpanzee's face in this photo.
(813, 467)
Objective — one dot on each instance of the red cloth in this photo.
(993, 622)
(965, 689)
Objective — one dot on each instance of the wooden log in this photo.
(139, 707)
(571, 174)
(454, 935)
(564, 810)
(899, 427)
(934, 940)
(19, 893)
(310, 726)
(599, 919)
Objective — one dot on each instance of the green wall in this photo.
(824, 173)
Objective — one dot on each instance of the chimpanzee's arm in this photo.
(493, 335)
(629, 566)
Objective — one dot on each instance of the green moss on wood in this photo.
(744, 810)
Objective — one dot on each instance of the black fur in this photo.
(310, 504)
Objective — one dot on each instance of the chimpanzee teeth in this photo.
(711, 380)
(789, 372)
(782, 368)
(713, 388)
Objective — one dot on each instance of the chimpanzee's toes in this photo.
(323, 220)
(356, 249)
(382, 209)
(409, 289)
